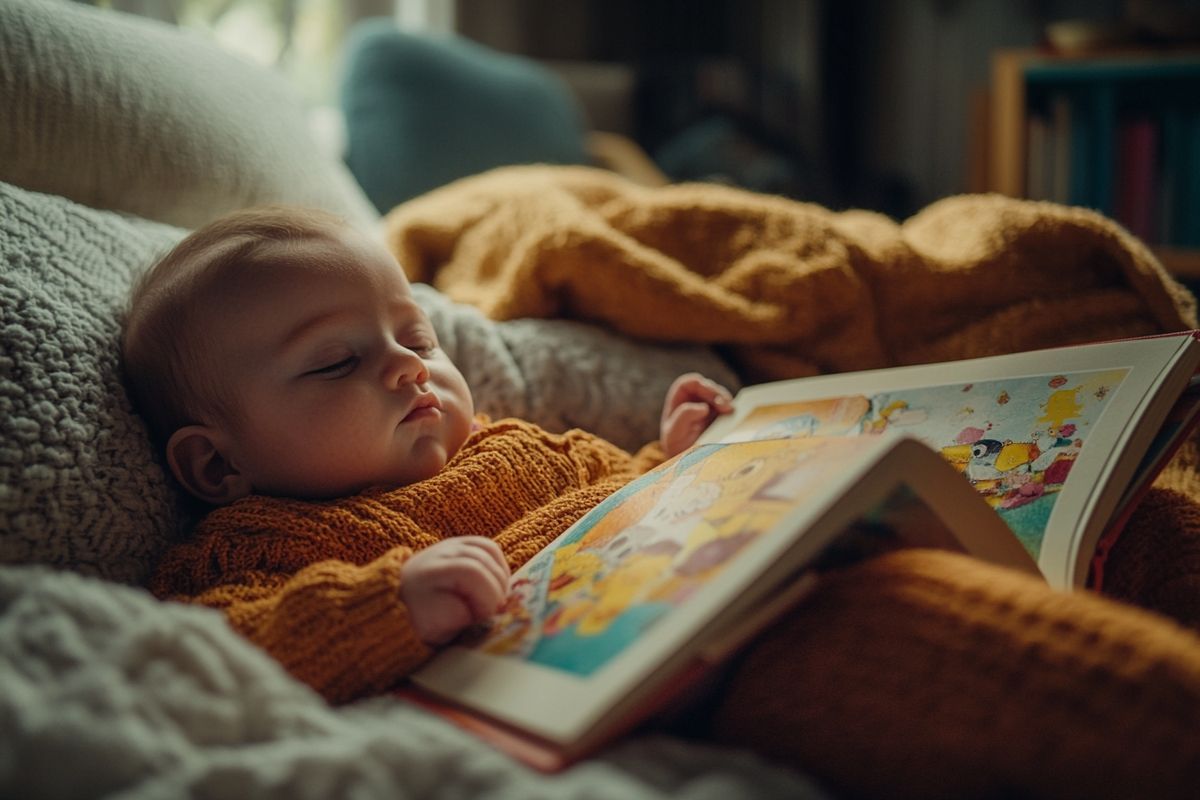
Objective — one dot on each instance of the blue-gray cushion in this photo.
(422, 111)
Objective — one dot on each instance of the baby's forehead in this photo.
(319, 256)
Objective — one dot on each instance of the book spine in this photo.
(1191, 188)
(1136, 176)
(1060, 147)
(1079, 192)
(1036, 177)
(1103, 154)
(1170, 180)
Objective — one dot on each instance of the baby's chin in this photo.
(425, 460)
(424, 463)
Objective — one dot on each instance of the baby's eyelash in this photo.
(338, 368)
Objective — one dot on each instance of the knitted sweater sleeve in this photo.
(331, 615)
(339, 627)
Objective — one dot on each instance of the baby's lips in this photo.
(428, 400)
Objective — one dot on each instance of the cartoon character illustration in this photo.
(982, 462)
(884, 416)
(514, 620)
(835, 416)
(1061, 406)
(596, 593)
(695, 526)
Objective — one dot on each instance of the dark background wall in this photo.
(863, 103)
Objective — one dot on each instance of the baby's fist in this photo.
(692, 403)
(452, 585)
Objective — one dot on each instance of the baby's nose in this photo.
(403, 366)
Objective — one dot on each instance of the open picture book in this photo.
(1031, 461)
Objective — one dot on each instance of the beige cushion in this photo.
(117, 112)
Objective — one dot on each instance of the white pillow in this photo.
(124, 113)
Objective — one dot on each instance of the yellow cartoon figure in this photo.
(707, 513)
(1061, 406)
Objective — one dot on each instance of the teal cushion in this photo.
(422, 111)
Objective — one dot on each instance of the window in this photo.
(300, 38)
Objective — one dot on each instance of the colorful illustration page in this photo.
(1015, 439)
(651, 547)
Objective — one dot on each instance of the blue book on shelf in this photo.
(1190, 172)
(1104, 150)
(1082, 167)
(1093, 148)
(1173, 176)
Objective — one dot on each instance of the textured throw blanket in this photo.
(109, 693)
(786, 288)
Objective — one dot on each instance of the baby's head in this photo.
(280, 351)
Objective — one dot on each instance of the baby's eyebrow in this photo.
(306, 328)
(407, 305)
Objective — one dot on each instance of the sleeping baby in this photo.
(359, 513)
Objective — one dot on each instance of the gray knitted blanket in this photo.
(105, 692)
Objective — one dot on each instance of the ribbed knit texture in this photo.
(928, 674)
(316, 584)
(1155, 563)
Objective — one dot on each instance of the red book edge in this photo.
(1105, 545)
(546, 756)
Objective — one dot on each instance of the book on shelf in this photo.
(1172, 177)
(1048, 151)
(1177, 171)
(1116, 132)
(1060, 148)
(1031, 461)
(1189, 234)
(1137, 187)
(1039, 159)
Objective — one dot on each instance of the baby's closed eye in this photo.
(335, 369)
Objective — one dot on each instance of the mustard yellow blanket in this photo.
(786, 289)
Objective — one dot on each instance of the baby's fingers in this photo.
(683, 426)
(489, 554)
(694, 387)
(480, 588)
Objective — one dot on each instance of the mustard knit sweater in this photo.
(316, 584)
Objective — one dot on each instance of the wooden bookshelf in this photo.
(1115, 131)
(1185, 263)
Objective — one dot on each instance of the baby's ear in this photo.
(199, 464)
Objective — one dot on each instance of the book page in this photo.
(1040, 435)
(1014, 439)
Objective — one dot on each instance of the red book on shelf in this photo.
(1137, 147)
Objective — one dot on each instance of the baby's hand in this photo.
(693, 402)
(453, 584)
